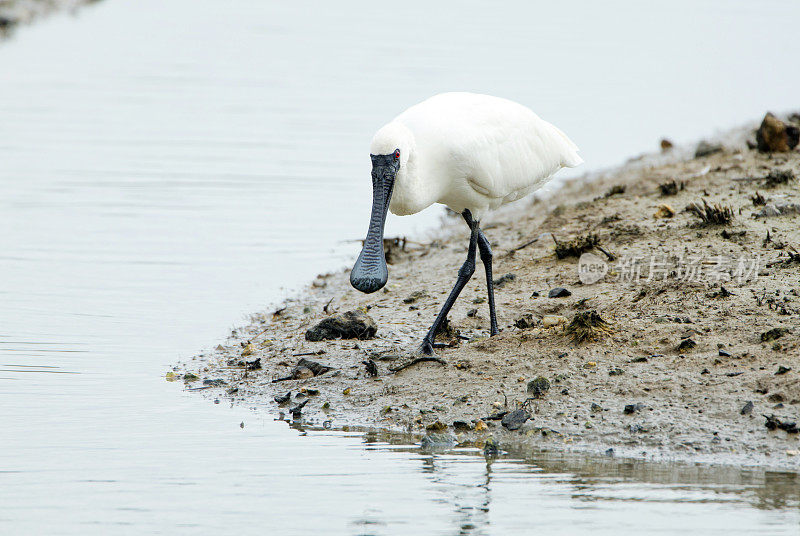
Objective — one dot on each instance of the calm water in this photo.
(167, 167)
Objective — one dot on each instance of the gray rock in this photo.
(515, 419)
(747, 409)
(559, 292)
(632, 408)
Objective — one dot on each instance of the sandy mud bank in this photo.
(650, 311)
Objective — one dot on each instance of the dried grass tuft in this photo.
(711, 214)
(588, 326)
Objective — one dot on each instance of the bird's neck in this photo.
(411, 194)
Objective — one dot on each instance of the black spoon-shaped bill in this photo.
(370, 272)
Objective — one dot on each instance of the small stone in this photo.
(747, 409)
(781, 370)
(461, 426)
(472, 313)
(415, 296)
(705, 148)
(190, 377)
(632, 408)
(774, 333)
(609, 452)
(616, 372)
(550, 321)
(283, 399)
(686, 344)
(590, 364)
(723, 353)
(255, 364)
(307, 368)
(500, 282)
(639, 360)
(774, 422)
(350, 325)
(215, 383)
(515, 419)
(302, 373)
(596, 408)
(371, 367)
(437, 426)
(480, 426)
(538, 386)
(347, 391)
(792, 452)
(559, 292)
(664, 211)
(776, 136)
(298, 409)
(525, 321)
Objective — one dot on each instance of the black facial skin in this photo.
(370, 272)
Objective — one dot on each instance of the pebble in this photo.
(559, 292)
(747, 409)
(515, 419)
(437, 426)
(632, 408)
(549, 321)
(462, 426)
(705, 148)
(282, 399)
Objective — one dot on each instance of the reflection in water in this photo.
(465, 480)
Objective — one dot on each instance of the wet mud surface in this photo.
(678, 339)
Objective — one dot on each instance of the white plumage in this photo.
(471, 151)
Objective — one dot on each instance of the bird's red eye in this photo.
(397, 153)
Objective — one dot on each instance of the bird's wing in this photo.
(499, 146)
(514, 155)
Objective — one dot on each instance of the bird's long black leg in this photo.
(486, 257)
(464, 274)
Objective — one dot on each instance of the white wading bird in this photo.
(470, 152)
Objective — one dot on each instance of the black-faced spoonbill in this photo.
(470, 152)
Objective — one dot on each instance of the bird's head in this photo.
(370, 272)
(390, 151)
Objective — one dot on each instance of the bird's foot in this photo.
(422, 354)
(426, 348)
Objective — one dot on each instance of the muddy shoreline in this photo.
(15, 13)
(700, 341)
